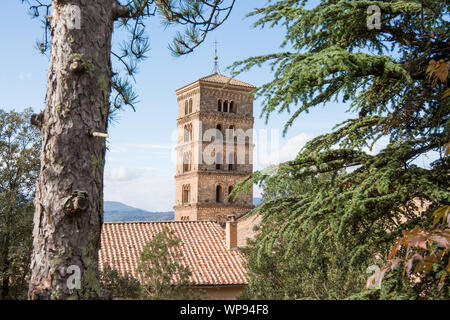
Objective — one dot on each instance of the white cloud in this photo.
(288, 151)
(152, 193)
(23, 76)
(378, 146)
(123, 174)
(292, 147)
(117, 149)
(153, 146)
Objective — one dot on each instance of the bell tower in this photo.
(214, 147)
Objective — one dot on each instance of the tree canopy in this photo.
(19, 167)
(330, 54)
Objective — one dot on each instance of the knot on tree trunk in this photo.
(77, 202)
(76, 66)
(119, 11)
(80, 63)
(36, 119)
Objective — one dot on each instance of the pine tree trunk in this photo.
(69, 197)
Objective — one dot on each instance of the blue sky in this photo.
(139, 166)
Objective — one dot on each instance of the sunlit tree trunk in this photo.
(69, 198)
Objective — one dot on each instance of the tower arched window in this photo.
(188, 133)
(232, 107)
(219, 132)
(230, 133)
(219, 196)
(225, 106)
(230, 189)
(219, 105)
(186, 193)
(185, 164)
(186, 107)
(231, 161)
(187, 161)
(219, 161)
(190, 105)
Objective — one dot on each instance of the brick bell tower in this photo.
(214, 147)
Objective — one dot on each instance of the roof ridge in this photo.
(219, 78)
(231, 80)
(213, 74)
(163, 221)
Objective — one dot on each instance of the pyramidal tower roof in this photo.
(219, 78)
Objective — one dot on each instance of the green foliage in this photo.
(19, 167)
(368, 200)
(161, 274)
(295, 268)
(298, 274)
(120, 286)
(424, 253)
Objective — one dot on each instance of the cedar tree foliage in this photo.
(329, 54)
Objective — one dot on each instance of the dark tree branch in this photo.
(120, 11)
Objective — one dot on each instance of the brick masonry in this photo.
(197, 181)
(245, 229)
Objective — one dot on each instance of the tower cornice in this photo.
(215, 172)
(217, 116)
(214, 205)
(217, 81)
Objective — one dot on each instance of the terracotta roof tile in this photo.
(202, 246)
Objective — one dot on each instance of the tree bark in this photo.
(69, 196)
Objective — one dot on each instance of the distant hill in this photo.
(119, 212)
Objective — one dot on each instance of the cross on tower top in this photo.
(216, 59)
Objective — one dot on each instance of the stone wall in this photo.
(242, 100)
(245, 228)
(185, 212)
(220, 213)
(221, 292)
